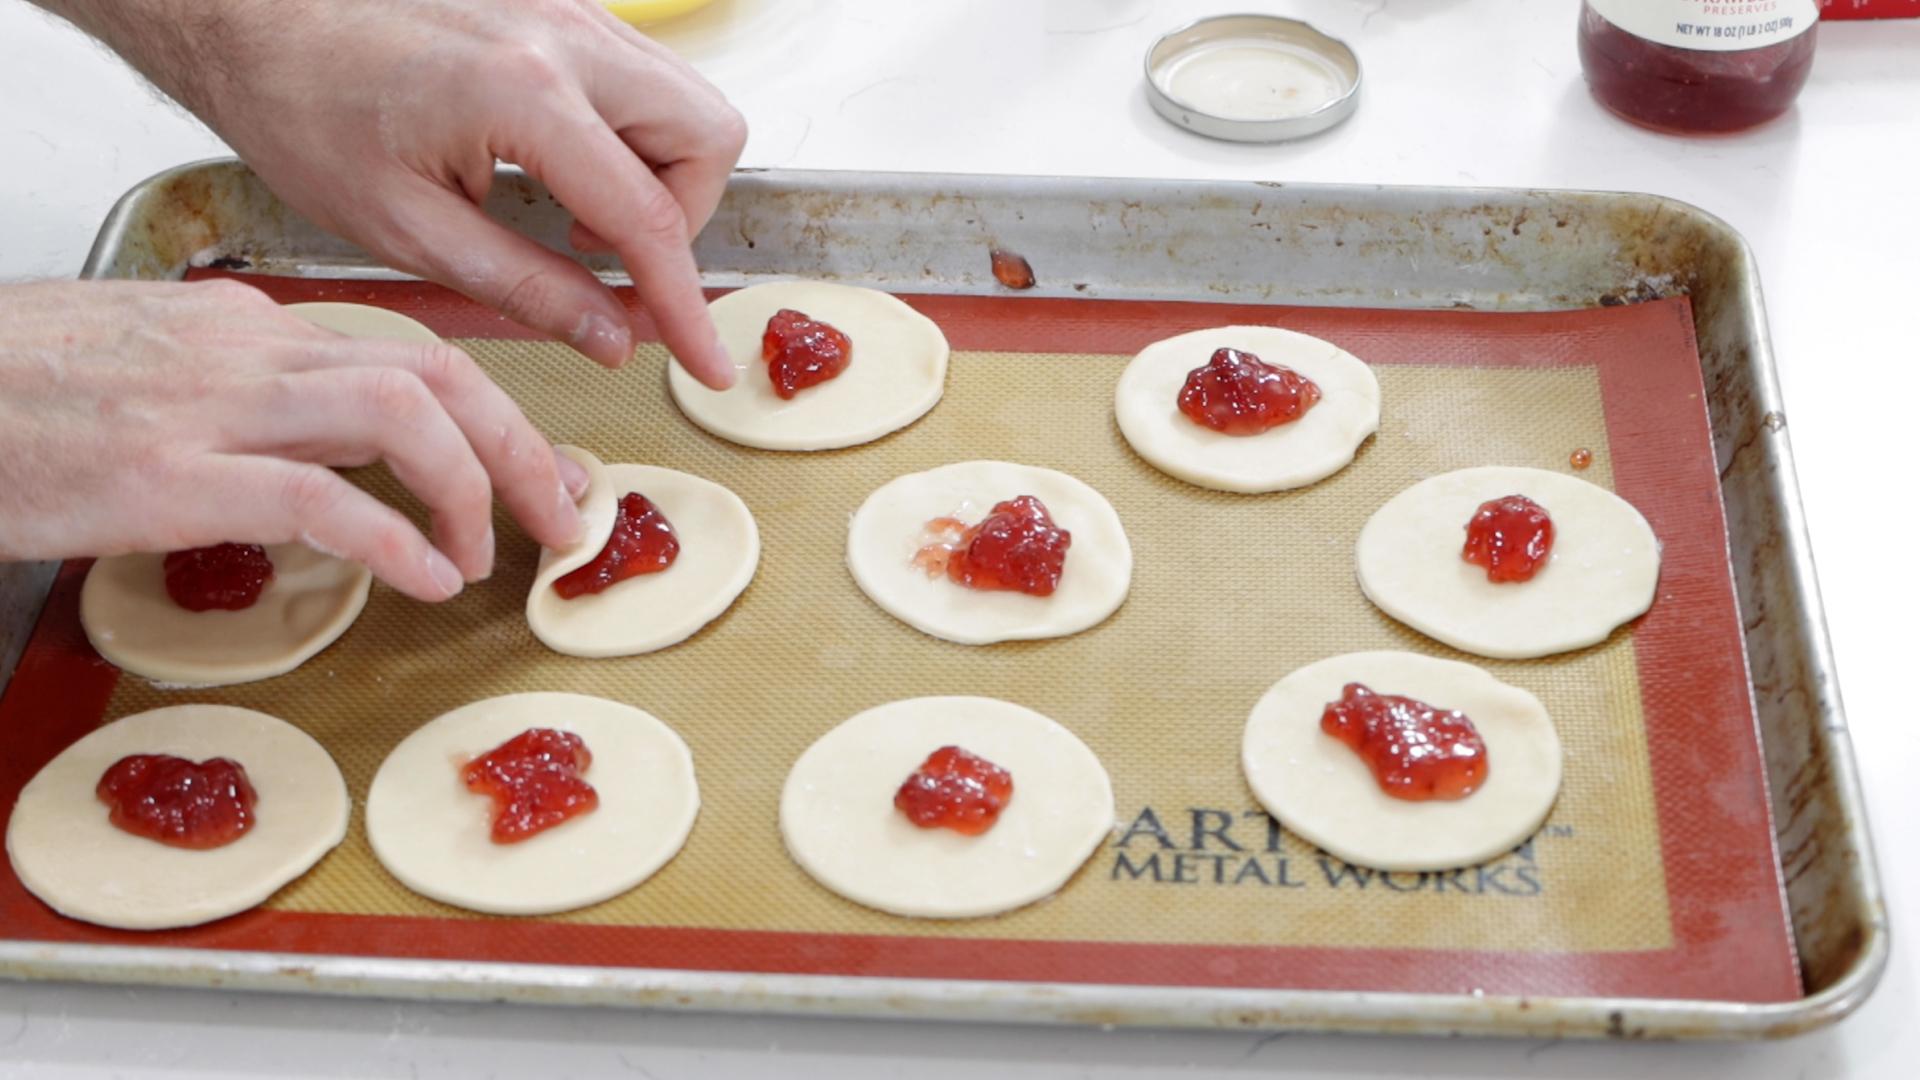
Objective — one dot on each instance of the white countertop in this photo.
(1459, 92)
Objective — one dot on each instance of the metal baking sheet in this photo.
(1231, 242)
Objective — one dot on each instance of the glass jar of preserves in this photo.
(1696, 66)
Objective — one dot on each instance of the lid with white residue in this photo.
(1252, 78)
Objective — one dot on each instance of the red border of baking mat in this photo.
(1730, 931)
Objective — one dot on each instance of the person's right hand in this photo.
(156, 417)
(383, 122)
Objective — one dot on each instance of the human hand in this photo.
(161, 416)
(382, 122)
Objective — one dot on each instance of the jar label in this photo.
(1711, 25)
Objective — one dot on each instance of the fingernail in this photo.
(573, 475)
(571, 513)
(725, 373)
(603, 339)
(487, 546)
(445, 574)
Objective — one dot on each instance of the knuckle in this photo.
(445, 365)
(729, 131)
(227, 292)
(396, 396)
(525, 67)
(311, 494)
(155, 466)
(536, 299)
(659, 216)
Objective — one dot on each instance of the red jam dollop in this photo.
(956, 790)
(1416, 752)
(1017, 547)
(1511, 537)
(535, 782)
(801, 352)
(642, 543)
(1011, 269)
(229, 577)
(179, 803)
(1237, 393)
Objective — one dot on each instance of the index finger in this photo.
(598, 178)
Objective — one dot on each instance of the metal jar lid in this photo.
(1252, 78)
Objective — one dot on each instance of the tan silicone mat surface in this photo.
(1229, 594)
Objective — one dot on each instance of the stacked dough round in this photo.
(719, 552)
(897, 371)
(1309, 449)
(434, 835)
(68, 854)
(889, 529)
(840, 825)
(1313, 784)
(1602, 570)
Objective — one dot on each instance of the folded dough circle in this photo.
(889, 529)
(1601, 572)
(1312, 448)
(719, 551)
(840, 824)
(897, 371)
(68, 854)
(310, 602)
(1316, 786)
(435, 836)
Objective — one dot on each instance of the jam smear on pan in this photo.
(1237, 393)
(229, 577)
(802, 352)
(956, 790)
(1511, 536)
(535, 782)
(1416, 752)
(642, 543)
(1011, 269)
(1017, 547)
(179, 803)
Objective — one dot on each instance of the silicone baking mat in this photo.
(1655, 876)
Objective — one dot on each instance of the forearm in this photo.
(187, 48)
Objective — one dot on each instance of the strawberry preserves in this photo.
(535, 781)
(179, 803)
(956, 790)
(1017, 547)
(1416, 752)
(1511, 536)
(1237, 393)
(227, 577)
(802, 352)
(642, 542)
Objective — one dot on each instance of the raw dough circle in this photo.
(68, 854)
(364, 321)
(1602, 570)
(1316, 786)
(434, 835)
(135, 625)
(886, 533)
(840, 825)
(897, 372)
(719, 551)
(1312, 448)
